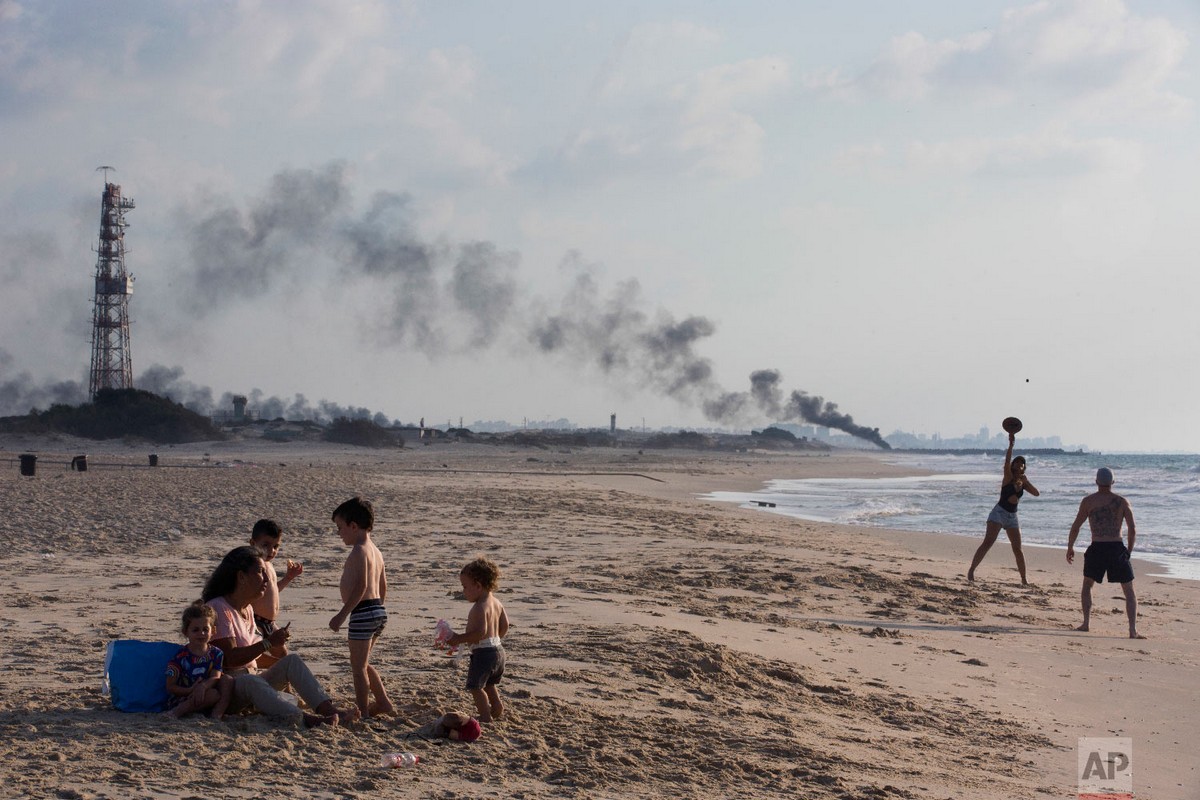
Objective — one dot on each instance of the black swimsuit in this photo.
(1006, 491)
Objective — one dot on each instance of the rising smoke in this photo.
(767, 396)
(443, 297)
(20, 394)
(169, 382)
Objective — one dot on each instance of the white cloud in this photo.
(702, 123)
(1093, 55)
(1119, 63)
(718, 135)
(912, 66)
(449, 83)
(10, 10)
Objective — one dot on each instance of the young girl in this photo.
(195, 679)
(1004, 515)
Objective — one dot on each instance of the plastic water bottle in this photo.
(399, 760)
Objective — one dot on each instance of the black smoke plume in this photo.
(766, 395)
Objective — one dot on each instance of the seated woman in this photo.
(237, 581)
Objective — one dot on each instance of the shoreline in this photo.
(662, 644)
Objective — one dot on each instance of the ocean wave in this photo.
(869, 514)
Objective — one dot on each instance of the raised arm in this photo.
(294, 570)
(1012, 437)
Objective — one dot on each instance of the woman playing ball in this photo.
(1004, 515)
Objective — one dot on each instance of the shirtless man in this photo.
(1107, 554)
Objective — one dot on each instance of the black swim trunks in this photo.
(487, 667)
(1107, 558)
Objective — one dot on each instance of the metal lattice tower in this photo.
(111, 364)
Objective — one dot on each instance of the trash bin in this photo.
(79, 463)
(154, 459)
(28, 464)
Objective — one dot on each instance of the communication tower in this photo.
(111, 364)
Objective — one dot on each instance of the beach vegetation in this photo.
(689, 439)
(361, 433)
(119, 414)
(776, 433)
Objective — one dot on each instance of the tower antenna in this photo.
(112, 367)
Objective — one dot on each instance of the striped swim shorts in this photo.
(367, 620)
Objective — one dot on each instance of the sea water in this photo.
(1164, 491)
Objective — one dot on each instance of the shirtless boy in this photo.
(364, 589)
(267, 537)
(487, 624)
(1107, 554)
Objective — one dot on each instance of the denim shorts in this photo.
(1005, 519)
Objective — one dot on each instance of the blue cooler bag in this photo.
(136, 674)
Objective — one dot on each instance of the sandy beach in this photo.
(662, 645)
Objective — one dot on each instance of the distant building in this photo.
(238, 415)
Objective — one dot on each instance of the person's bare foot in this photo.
(381, 709)
(347, 715)
(1082, 628)
(971, 577)
(1136, 635)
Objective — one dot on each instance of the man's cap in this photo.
(1104, 477)
(470, 730)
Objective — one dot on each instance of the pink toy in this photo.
(443, 634)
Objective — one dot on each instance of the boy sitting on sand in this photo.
(363, 588)
(195, 679)
(487, 624)
(267, 537)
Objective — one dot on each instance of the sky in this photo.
(930, 214)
